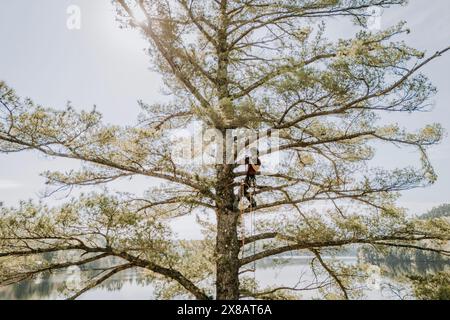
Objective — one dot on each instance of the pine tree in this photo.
(232, 64)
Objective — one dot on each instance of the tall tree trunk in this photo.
(227, 242)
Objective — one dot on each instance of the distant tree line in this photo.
(438, 212)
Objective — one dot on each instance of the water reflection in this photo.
(51, 286)
(133, 284)
(400, 262)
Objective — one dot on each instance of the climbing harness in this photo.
(248, 190)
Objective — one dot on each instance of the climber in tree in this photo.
(253, 164)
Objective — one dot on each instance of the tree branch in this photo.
(331, 273)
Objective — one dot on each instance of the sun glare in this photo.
(139, 15)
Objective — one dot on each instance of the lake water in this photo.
(133, 285)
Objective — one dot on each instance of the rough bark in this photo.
(227, 243)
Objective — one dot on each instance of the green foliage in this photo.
(432, 287)
(232, 65)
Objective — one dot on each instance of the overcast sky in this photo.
(104, 66)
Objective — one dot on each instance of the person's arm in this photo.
(257, 166)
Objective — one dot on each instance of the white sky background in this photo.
(104, 66)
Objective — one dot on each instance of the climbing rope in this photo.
(252, 216)
(241, 216)
(252, 233)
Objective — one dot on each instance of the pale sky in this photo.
(104, 66)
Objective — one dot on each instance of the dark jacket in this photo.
(251, 171)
